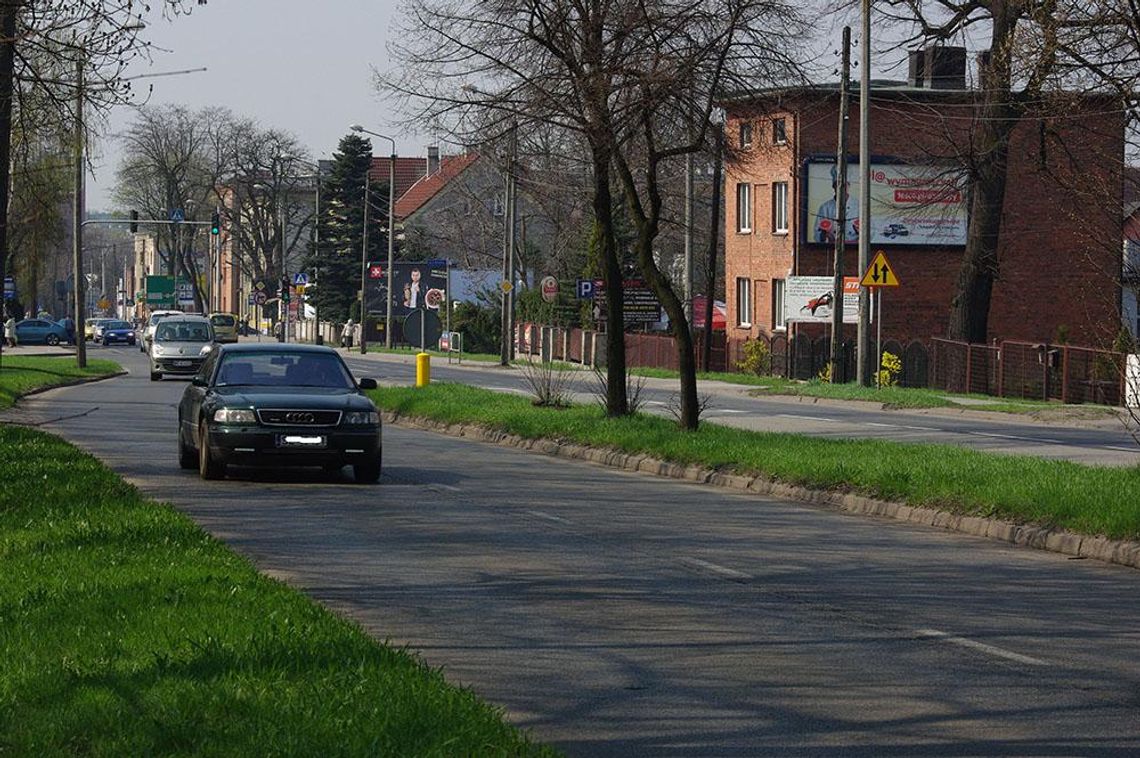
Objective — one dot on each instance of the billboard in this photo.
(810, 299)
(910, 204)
(416, 286)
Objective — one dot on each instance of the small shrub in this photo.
(889, 370)
(757, 358)
(824, 374)
(549, 382)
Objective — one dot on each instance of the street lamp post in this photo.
(391, 239)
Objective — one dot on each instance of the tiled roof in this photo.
(408, 172)
(428, 187)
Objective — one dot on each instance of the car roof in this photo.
(275, 347)
(187, 317)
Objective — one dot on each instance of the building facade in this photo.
(1059, 274)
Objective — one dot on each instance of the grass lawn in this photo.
(21, 374)
(1085, 499)
(895, 397)
(126, 630)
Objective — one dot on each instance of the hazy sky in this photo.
(297, 65)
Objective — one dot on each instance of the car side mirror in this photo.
(366, 383)
(199, 382)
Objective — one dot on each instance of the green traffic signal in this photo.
(215, 224)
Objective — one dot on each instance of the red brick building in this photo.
(1060, 262)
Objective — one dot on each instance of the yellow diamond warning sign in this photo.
(879, 273)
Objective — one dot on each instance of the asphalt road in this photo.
(1105, 442)
(619, 614)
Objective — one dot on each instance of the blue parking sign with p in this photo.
(585, 289)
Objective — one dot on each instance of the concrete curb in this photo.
(72, 383)
(1121, 552)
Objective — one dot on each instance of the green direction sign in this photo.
(160, 290)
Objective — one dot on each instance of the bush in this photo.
(889, 370)
(757, 358)
(480, 325)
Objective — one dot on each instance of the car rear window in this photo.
(222, 320)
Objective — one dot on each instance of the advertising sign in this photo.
(910, 204)
(549, 287)
(639, 304)
(810, 299)
(160, 290)
(416, 287)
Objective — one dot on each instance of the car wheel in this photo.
(52, 340)
(155, 376)
(208, 466)
(366, 473)
(187, 456)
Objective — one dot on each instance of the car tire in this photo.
(155, 376)
(51, 340)
(366, 473)
(208, 466)
(187, 456)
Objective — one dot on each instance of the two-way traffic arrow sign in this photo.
(879, 273)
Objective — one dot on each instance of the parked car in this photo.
(276, 404)
(225, 327)
(40, 331)
(148, 331)
(180, 345)
(113, 332)
(89, 327)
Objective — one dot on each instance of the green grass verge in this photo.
(894, 397)
(126, 630)
(22, 374)
(1085, 499)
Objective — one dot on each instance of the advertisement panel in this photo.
(639, 304)
(810, 299)
(417, 287)
(910, 204)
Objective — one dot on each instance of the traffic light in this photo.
(134, 222)
(215, 223)
(283, 292)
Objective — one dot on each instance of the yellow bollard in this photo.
(423, 369)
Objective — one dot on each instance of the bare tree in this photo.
(634, 82)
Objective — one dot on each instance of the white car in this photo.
(148, 332)
(180, 345)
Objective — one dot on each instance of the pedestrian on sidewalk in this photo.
(347, 335)
(68, 325)
(10, 331)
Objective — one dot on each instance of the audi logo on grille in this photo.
(298, 417)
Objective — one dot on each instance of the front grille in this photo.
(297, 417)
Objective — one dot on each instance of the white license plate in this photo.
(300, 440)
(182, 364)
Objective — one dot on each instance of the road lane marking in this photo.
(508, 389)
(548, 517)
(714, 568)
(809, 418)
(981, 647)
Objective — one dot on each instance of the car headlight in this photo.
(362, 417)
(206, 349)
(234, 416)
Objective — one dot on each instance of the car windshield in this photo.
(222, 320)
(116, 325)
(284, 369)
(173, 331)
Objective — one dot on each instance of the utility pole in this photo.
(77, 220)
(714, 236)
(688, 275)
(864, 335)
(508, 253)
(364, 275)
(840, 211)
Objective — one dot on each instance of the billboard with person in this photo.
(911, 204)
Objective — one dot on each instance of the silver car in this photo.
(180, 345)
(151, 323)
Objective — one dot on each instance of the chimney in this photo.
(433, 160)
(916, 71)
(945, 67)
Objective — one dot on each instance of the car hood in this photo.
(188, 349)
(312, 398)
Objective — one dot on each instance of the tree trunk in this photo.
(970, 306)
(617, 401)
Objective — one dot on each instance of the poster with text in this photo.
(811, 299)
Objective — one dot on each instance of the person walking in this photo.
(10, 331)
(347, 335)
(68, 325)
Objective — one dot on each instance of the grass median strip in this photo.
(21, 374)
(1085, 499)
(126, 630)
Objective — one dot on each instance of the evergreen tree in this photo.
(340, 229)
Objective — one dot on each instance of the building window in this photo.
(743, 302)
(778, 320)
(745, 134)
(780, 207)
(779, 131)
(743, 208)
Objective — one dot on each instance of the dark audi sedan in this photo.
(274, 404)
